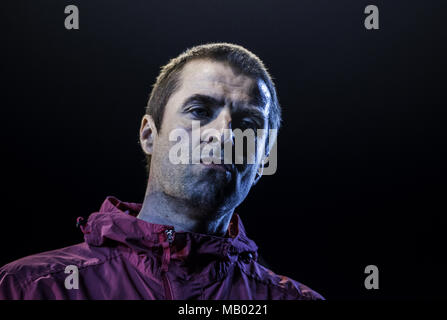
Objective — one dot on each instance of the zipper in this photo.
(169, 235)
(167, 286)
(165, 263)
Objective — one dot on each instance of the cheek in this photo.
(247, 177)
(160, 155)
(165, 149)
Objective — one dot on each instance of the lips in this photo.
(222, 166)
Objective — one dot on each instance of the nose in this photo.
(222, 124)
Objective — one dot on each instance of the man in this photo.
(184, 241)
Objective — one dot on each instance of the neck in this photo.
(160, 208)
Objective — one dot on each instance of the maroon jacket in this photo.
(124, 257)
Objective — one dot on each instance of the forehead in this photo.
(221, 81)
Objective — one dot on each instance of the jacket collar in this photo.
(117, 221)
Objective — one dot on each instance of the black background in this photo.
(361, 164)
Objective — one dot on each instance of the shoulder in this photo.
(54, 261)
(49, 266)
(290, 288)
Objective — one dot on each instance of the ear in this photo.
(147, 134)
(259, 172)
(262, 163)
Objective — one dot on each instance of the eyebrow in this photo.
(203, 99)
(255, 112)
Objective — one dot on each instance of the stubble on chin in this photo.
(205, 188)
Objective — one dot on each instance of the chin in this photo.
(207, 195)
(207, 188)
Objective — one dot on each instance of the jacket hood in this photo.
(117, 223)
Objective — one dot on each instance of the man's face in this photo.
(218, 98)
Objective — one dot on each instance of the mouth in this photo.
(219, 167)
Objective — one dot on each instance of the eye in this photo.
(248, 124)
(199, 112)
